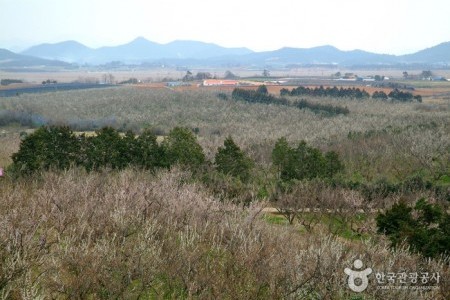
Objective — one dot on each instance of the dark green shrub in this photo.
(106, 149)
(425, 228)
(284, 92)
(326, 109)
(182, 148)
(333, 164)
(262, 89)
(47, 147)
(147, 153)
(379, 95)
(222, 96)
(398, 95)
(310, 162)
(283, 158)
(304, 162)
(231, 160)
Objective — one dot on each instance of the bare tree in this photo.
(108, 78)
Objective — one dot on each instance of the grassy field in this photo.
(132, 234)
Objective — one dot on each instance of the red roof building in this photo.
(220, 82)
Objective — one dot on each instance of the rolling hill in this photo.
(437, 54)
(10, 59)
(68, 51)
(317, 55)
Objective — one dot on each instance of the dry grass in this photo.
(9, 144)
(130, 234)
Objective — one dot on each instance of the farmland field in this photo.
(188, 233)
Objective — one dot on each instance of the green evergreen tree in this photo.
(231, 160)
(283, 158)
(333, 164)
(426, 227)
(309, 162)
(262, 89)
(148, 154)
(304, 162)
(182, 148)
(47, 147)
(106, 149)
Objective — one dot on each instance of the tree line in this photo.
(58, 147)
(333, 92)
(261, 95)
(352, 93)
(7, 81)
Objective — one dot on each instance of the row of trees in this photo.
(353, 93)
(49, 81)
(261, 95)
(7, 81)
(322, 108)
(398, 95)
(333, 92)
(189, 76)
(199, 76)
(59, 148)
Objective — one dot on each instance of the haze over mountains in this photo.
(137, 51)
(175, 53)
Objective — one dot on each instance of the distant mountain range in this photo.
(138, 51)
(437, 55)
(189, 53)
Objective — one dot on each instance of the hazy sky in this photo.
(382, 26)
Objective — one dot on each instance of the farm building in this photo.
(219, 82)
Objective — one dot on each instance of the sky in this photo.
(381, 26)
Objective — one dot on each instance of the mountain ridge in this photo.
(9, 59)
(141, 50)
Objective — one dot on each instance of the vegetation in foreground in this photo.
(131, 234)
